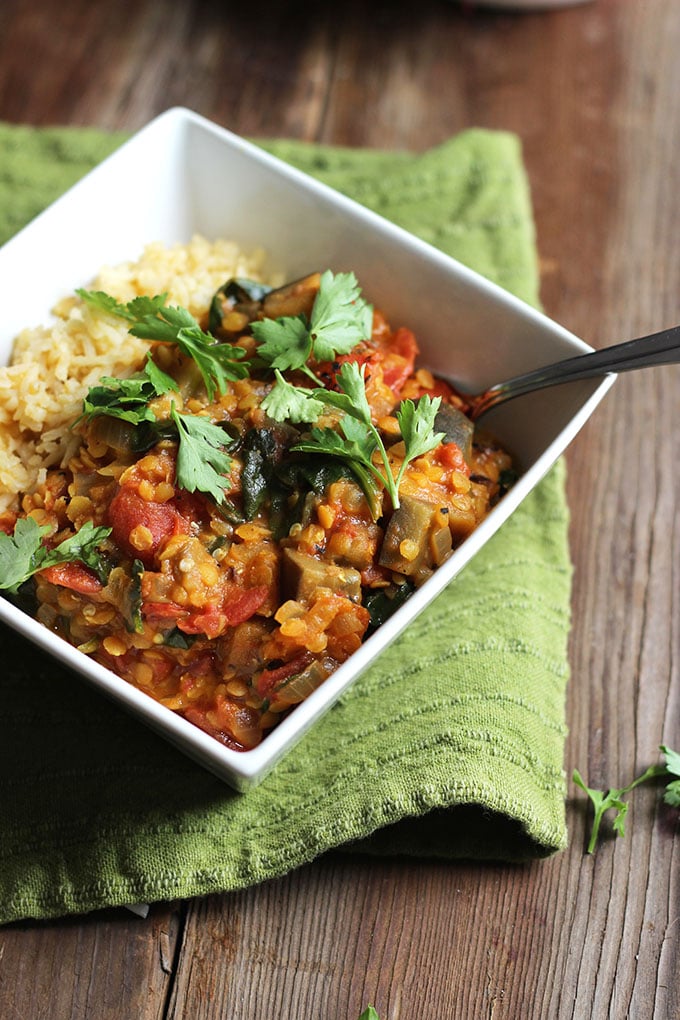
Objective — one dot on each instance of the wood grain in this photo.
(594, 93)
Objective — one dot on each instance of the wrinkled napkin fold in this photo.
(451, 745)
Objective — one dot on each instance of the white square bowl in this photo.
(183, 175)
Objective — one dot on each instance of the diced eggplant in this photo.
(239, 299)
(294, 298)
(417, 539)
(303, 575)
(457, 428)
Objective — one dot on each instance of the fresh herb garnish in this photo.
(369, 1014)
(355, 447)
(202, 461)
(672, 792)
(603, 800)
(151, 319)
(339, 320)
(357, 439)
(286, 402)
(24, 554)
(128, 399)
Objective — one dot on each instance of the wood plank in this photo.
(108, 966)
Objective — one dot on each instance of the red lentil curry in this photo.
(239, 515)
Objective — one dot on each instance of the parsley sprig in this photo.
(150, 318)
(605, 800)
(287, 402)
(202, 461)
(128, 399)
(357, 440)
(23, 554)
(339, 320)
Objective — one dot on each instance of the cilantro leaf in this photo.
(603, 800)
(160, 380)
(340, 317)
(286, 402)
(359, 439)
(202, 461)
(23, 553)
(284, 343)
(672, 792)
(672, 760)
(352, 397)
(339, 320)
(151, 319)
(128, 399)
(217, 362)
(416, 424)
(82, 547)
(104, 302)
(369, 1014)
(351, 448)
(355, 448)
(163, 323)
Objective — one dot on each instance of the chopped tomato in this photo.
(394, 354)
(440, 388)
(163, 610)
(449, 455)
(75, 576)
(398, 358)
(238, 606)
(212, 623)
(242, 603)
(129, 511)
(190, 505)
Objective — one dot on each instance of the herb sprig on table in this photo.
(605, 800)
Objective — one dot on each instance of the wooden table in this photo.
(594, 93)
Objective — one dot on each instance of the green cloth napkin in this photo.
(451, 745)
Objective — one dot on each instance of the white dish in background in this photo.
(183, 175)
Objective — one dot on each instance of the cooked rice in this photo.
(52, 367)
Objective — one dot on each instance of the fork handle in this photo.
(662, 348)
